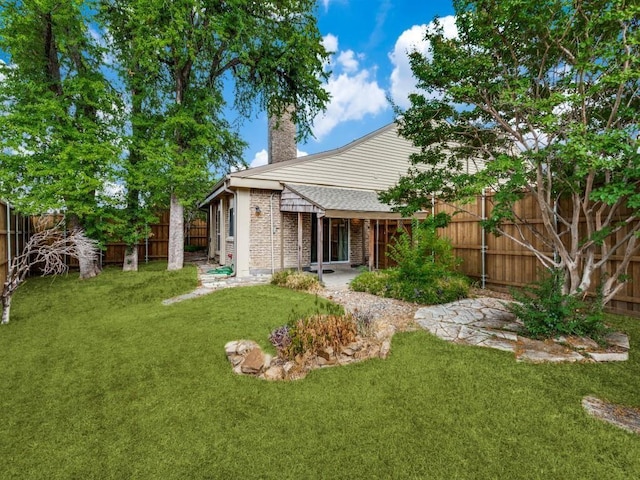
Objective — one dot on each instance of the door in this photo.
(335, 239)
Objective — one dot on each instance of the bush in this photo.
(312, 334)
(296, 280)
(548, 312)
(372, 282)
(425, 271)
(448, 288)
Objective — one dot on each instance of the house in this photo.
(310, 211)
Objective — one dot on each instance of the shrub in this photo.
(310, 335)
(296, 280)
(371, 282)
(548, 312)
(448, 288)
(425, 269)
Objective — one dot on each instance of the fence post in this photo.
(8, 222)
(483, 235)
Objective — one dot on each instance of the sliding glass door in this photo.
(335, 239)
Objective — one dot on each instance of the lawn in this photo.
(100, 380)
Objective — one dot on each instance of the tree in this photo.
(47, 250)
(57, 149)
(189, 52)
(543, 98)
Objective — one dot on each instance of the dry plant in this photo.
(312, 334)
(47, 250)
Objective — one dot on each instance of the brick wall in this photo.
(285, 236)
(261, 234)
(356, 251)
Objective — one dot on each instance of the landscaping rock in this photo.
(275, 372)
(253, 362)
(618, 339)
(486, 322)
(627, 418)
(609, 356)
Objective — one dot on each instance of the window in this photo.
(231, 221)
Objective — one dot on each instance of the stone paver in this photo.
(486, 322)
(212, 282)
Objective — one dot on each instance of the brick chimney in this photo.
(282, 138)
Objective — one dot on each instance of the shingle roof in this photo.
(332, 198)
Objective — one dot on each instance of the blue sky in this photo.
(370, 39)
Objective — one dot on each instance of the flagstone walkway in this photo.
(486, 322)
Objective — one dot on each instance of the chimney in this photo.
(282, 138)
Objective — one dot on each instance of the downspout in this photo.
(235, 228)
(273, 268)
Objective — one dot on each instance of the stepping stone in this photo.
(618, 339)
(609, 356)
(540, 356)
(500, 344)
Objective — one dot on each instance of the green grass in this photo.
(99, 380)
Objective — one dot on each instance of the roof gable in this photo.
(374, 162)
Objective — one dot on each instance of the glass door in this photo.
(335, 239)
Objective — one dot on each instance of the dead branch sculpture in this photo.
(47, 250)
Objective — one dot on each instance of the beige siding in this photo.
(374, 163)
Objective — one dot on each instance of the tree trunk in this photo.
(6, 308)
(89, 268)
(176, 235)
(130, 263)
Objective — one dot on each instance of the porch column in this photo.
(372, 246)
(299, 241)
(320, 247)
(242, 234)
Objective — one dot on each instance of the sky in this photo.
(370, 40)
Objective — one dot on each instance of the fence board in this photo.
(507, 264)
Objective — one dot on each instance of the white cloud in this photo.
(402, 81)
(347, 60)
(330, 43)
(354, 91)
(262, 157)
(352, 98)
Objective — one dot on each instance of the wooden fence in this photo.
(500, 263)
(156, 245)
(14, 231)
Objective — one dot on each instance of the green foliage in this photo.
(425, 271)
(59, 115)
(177, 66)
(296, 280)
(547, 311)
(375, 282)
(551, 96)
(423, 253)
